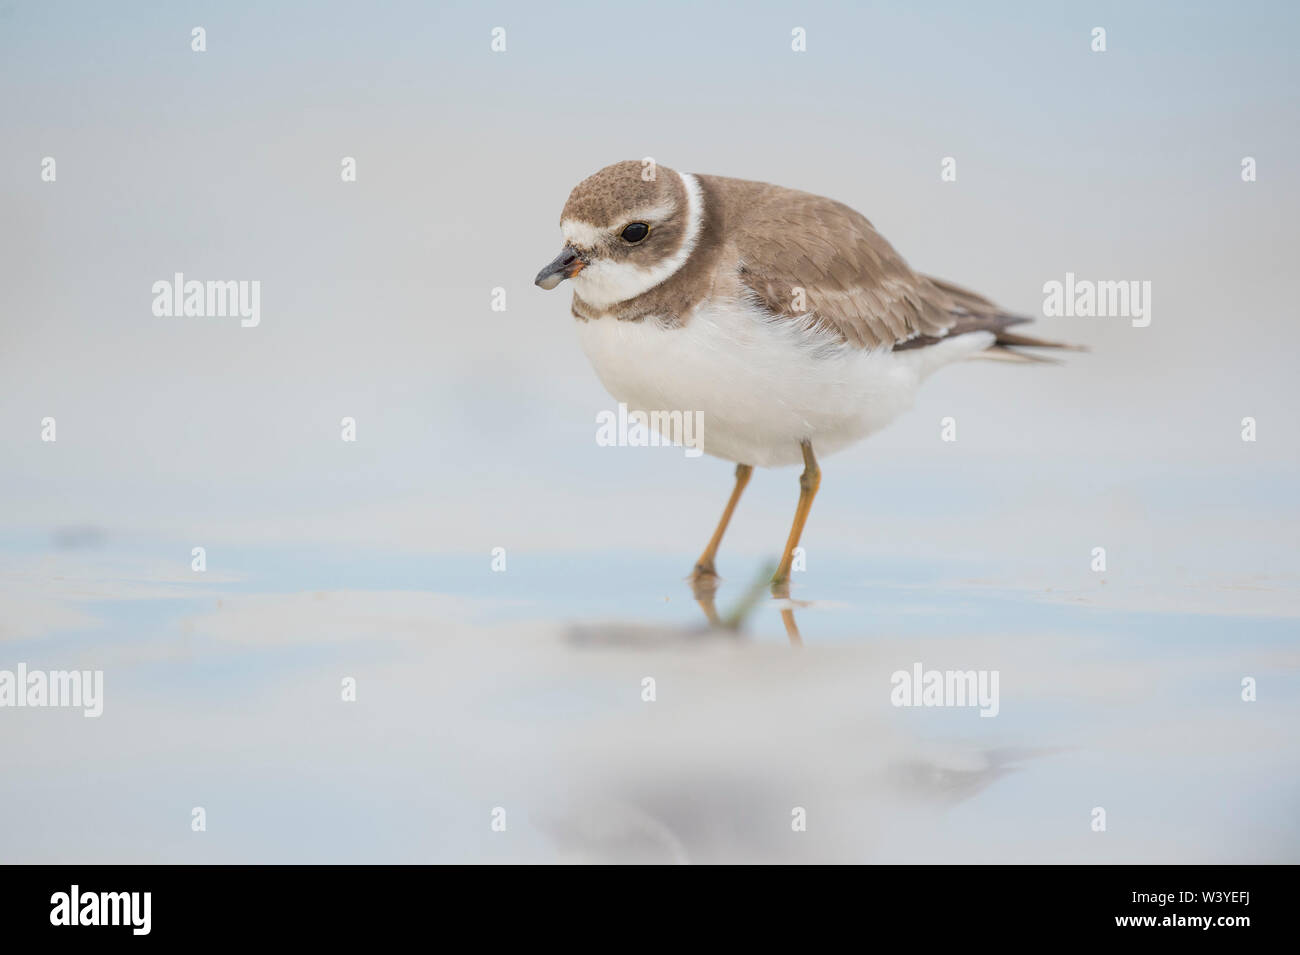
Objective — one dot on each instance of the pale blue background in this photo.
(476, 430)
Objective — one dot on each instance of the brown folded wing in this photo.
(816, 261)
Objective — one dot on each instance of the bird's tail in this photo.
(976, 313)
(1006, 347)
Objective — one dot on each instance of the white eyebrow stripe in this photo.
(653, 213)
(584, 235)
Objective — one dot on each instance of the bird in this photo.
(781, 318)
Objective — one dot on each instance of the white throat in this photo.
(605, 283)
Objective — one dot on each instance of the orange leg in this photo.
(809, 481)
(705, 576)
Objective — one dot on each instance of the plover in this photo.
(783, 317)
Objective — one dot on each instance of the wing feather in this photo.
(855, 286)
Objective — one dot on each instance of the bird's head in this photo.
(626, 229)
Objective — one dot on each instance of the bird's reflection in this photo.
(791, 628)
(705, 593)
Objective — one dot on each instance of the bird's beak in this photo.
(565, 266)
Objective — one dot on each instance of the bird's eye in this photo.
(635, 232)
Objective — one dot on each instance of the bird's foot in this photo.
(704, 581)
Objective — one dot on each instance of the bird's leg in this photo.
(809, 481)
(704, 579)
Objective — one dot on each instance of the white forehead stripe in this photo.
(604, 283)
(581, 235)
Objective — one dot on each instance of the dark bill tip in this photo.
(564, 266)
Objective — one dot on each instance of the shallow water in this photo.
(522, 690)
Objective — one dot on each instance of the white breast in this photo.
(761, 385)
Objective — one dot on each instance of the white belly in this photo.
(760, 386)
